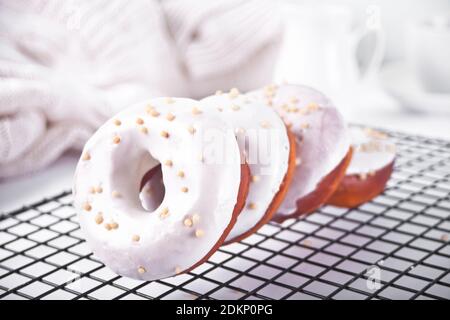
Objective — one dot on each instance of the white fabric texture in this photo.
(67, 66)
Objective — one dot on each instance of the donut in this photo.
(322, 145)
(369, 170)
(205, 186)
(268, 148)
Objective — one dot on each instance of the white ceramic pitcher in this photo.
(324, 48)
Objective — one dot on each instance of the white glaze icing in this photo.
(321, 134)
(166, 245)
(264, 143)
(372, 151)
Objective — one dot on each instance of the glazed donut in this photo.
(369, 170)
(268, 148)
(323, 146)
(204, 188)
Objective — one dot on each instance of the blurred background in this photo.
(384, 63)
(67, 66)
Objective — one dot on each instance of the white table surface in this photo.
(33, 187)
(374, 107)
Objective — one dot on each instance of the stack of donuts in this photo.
(164, 183)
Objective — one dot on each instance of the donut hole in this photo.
(152, 189)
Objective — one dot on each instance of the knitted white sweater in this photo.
(67, 66)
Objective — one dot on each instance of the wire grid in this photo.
(395, 247)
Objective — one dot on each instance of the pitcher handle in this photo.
(373, 64)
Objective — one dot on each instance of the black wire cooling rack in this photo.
(395, 247)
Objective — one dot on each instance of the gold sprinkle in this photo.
(191, 129)
(196, 111)
(170, 117)
(87, 207)
(293, 100)
(178, 270)
(92, 190)
(86, 156)
(135, 238)
(188, 222)
(444, 237)
(303, 111)
(312, 106)
(108, 226)
(142, 270)
(234, 93)
(371, 146)
(168, 163)
(116, 140)
(114, 225)
(255, 178)
(371, 173)
(154, 113)
(307, 243)
(199, 233)
(270, 87)
(115, 194)
(298, 161)
(164, 134)
(265, 124)
(139, 121)
(99, 218)
(218, 92)
(144, 130)
(180, 174)
(169, 100)
(149, 108)
(195, 218)
(362, 176)
(269, 94)
(117, 122)
(252, 205)
(164, 213)
(375, 134)
(304, 125)
(184, 189)
(235, 107)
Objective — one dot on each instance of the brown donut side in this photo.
(148, 175)
(324, 190)
(240, 203)
(279, 196)
(354, 191)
